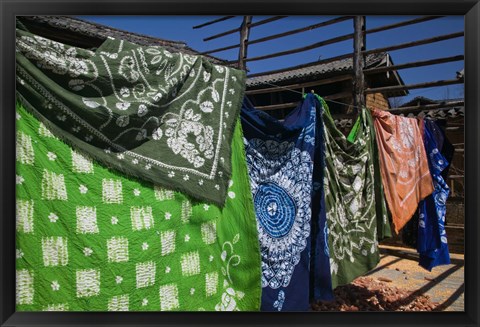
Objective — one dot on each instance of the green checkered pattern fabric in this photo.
(91, 239)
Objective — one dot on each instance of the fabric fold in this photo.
(406, 177)
(167, 118)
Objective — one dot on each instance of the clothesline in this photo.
(333, 101)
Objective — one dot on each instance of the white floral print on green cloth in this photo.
(169, 117)
(354, 201)
(109, 250)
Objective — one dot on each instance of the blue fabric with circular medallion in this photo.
(280, 156)
(275, 209)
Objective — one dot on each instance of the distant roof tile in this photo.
(314, 70)
(79, 26)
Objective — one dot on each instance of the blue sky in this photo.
(179, 28)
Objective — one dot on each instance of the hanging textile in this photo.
(436, 127)
(92, 239)
(432, 237)
(280, 163)
(167, 118)
(404, 167)
(356, 211)
(321, 279)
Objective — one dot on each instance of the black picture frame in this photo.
(11, 8)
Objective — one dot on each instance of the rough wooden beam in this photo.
(414, 64)
(213, 22)
(386, 89)
(416, 43)
(279, 35)
(401, 24)
(261, 22)
(305, 48)
(299, 85)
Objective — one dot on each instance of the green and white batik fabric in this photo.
(164, 117)
(356, 211)
(90, 239)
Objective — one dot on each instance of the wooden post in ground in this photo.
(244, 33)
(359, 44)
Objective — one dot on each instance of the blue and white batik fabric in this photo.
(432, 238)
(280, 159)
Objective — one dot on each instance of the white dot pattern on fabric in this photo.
(145, 274)
(142, 218)
(169, 297)
(117, 249)
(167, 239)
(44, 131)
(88, 282)
(211, 282)
(56, 307)
(55, 251)
(209, 232)
(112, 191)
(81, 164)
(190, 263)
(53, 186)
(118, 303)
(24, 148)
(24, 287)
(186, 211)
(162, 194)
(24, 219)
(86, 220)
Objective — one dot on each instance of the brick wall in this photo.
(377, 101)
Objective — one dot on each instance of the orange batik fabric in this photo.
(403, 164)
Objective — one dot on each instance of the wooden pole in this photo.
(359, 61)
(244, 33)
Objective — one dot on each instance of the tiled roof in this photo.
(97, 31)
(433, 114)
(372, 60)
(418, 99)
(439, 114)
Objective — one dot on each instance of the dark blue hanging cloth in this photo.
(285, 163)
(437, 130)
(432, 238)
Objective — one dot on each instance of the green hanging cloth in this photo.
(356, 211)
(164, 117)
(92, 239)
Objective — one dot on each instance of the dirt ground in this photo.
(398, 283)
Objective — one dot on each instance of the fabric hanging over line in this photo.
(410, 230)
(406, 177)
(280, 164)
(167, 118)
(357, 216)
(432, 237)
(92, 239)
